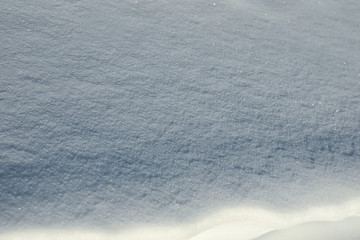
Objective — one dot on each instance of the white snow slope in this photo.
(163, 115)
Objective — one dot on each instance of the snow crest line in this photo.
(243, 223)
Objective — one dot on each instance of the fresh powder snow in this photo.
(189, 120)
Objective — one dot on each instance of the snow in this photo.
(245, 223)
(117, 114)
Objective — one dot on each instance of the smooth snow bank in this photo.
(348, 229)
(244, 223)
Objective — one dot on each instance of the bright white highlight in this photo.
(342, 230)
(243, 223)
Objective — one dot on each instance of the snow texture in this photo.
(317, 223)
(116, 113)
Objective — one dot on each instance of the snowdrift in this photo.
(120, 112)
(321, 223)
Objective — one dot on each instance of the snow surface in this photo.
(119, 113)
(229, 224)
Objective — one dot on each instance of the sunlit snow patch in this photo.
(348, 229)
(244, 223)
